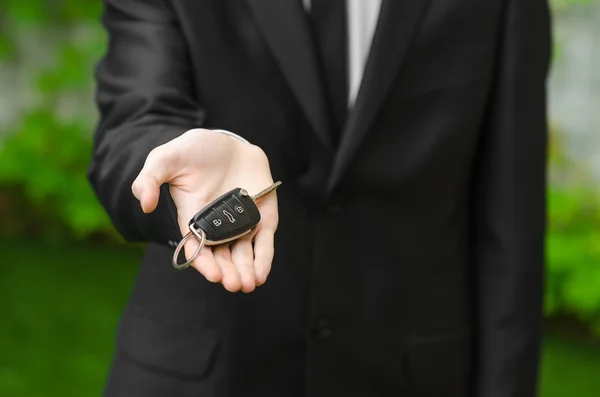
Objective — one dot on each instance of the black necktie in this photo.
(328, 19)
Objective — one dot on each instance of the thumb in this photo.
(146, 187)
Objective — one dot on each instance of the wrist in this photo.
(231, 134)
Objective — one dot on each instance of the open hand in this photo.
(199, 166)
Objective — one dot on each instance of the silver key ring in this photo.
(201, 237)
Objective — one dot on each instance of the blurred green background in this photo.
(65, 274)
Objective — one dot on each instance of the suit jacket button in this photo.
(334, 206)
(323, 329)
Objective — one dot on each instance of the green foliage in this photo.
(45, 153)
(50, 12)
(574, 254)
(561, 5)
(573, 243)
(47, 159)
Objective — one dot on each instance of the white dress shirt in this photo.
(362, 19)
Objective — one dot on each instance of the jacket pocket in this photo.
(185, 353)
(434, 362)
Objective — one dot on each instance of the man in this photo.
(409, 251)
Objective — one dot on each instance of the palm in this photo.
(204, 166)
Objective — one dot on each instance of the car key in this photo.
(227, 218)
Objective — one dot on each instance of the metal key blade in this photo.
(268, 190)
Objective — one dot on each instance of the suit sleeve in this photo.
(510, 208)
(143, 92)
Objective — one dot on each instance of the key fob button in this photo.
(249, 212)
(236, 204)
(228, 214)
(232, 209)
(217, 223)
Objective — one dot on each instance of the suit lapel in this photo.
(398, 21)
(286, 31)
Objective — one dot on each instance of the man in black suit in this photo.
(410, 228)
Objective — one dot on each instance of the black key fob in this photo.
(227, 218)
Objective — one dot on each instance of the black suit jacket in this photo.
(408, 259)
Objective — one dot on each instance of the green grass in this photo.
(570, 369)
(59, 309)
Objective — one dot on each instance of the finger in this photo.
(158, 169)
(147, 190)
(207, 265)
(268, 208)
(231, 277)
(264, 250)
(242, 257)
(205, 262)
